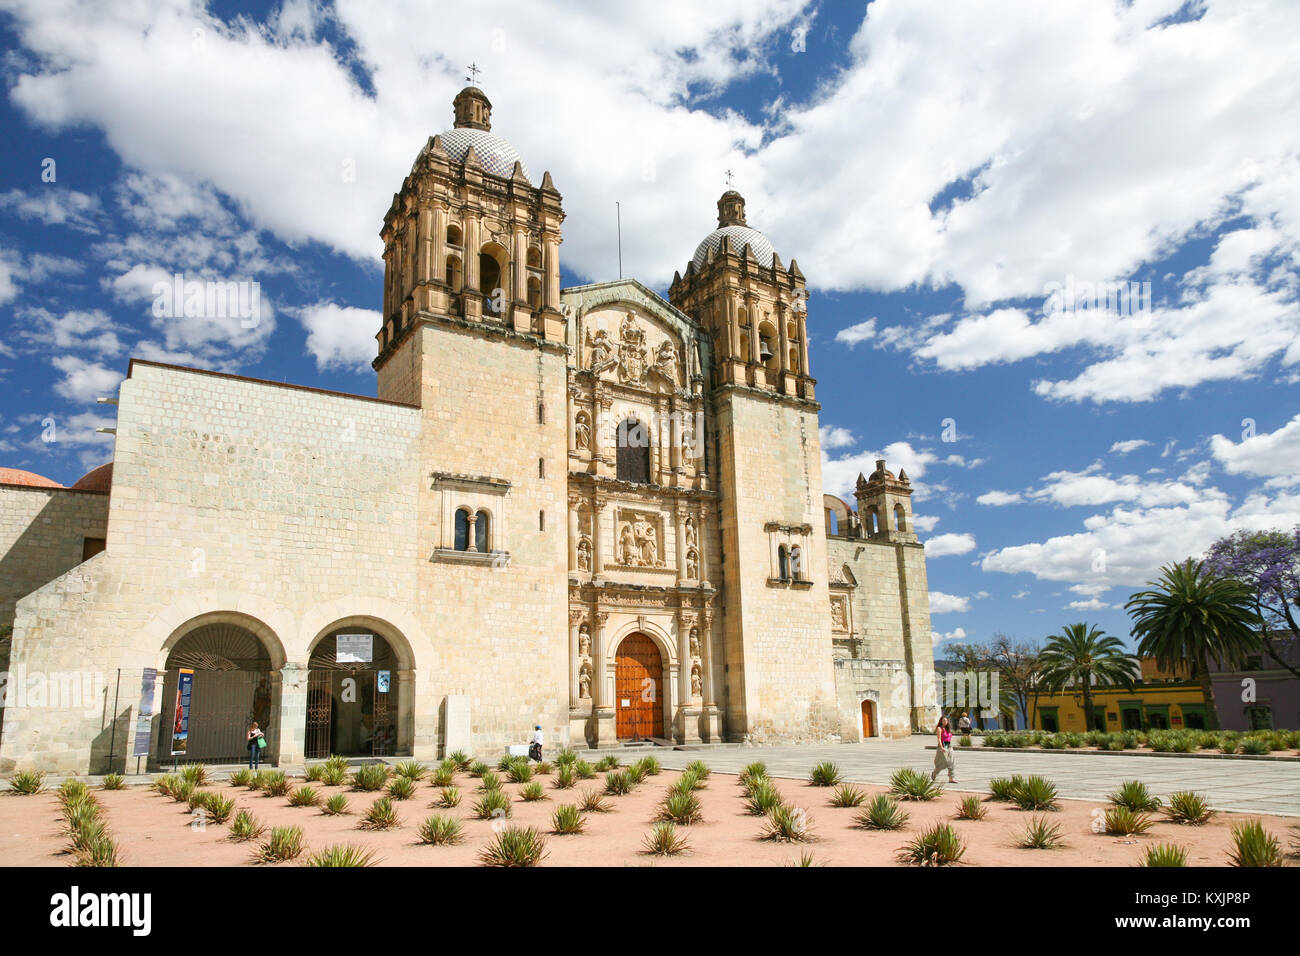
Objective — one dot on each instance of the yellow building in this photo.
(1160, 700)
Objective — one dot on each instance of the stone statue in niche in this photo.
(584, 682)
(582, 432)
(837, 616)
(666, 361)
(584, 555)
(696, 683)
(690, 532)
(631, 553)
(692, 566)
(584, 641)
(638, 542)
(649, 546)
(602, 351)
(695, 642)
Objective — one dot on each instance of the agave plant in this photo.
(402, 788)
(636, 773)
(938, 845)
(489, 781)
(971, 808)
(688, 782)
(245, 827)
(532, 792)
(443, 777)
(449, 797)
(335, 805)
(1036, 793)
(113, 781)
(1121, 821)
(763, 798)
(382, 815)
(566, 757)
(1188, 807)
(1039, 834)
(882, 813)
(591, 801)
(411, 770)
(334, 775)
(1006, 788)
(607, 762)
(681, 808)
(343, 855)
(664, 840)
(284, 843)
(440, 830)
(752, 773)
(1255, 746)
(72, 790)
(493, 803)
(514, 846)
(699, 768)
(1164, 854)
(907, 784)
(315, 773)
(462, 759)
(183, 791)
(518, 771)
(370, 777)
(786, 824)
(618, 783)
(565, 778)
(100, 853)
(650, 764)
(478, 768)
(275, 784)
(241, 778)
(219, 808)
(304, 796)
(1134, 795)
(804, 859)
(847, 795)
(584, 770)
(195, 773)
(1254, 846)
(825, 774)
(164, 784)
(336, 761)
(543, 769)
(567, 820)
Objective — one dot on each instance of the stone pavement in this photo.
(1248, 786)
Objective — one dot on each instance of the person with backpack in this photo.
(256, 742)
(535, 748)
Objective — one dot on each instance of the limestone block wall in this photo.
(42, 531)
(493, 406)
(777, 636)
(283, 509)
(879, 681)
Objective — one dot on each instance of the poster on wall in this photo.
(181, 716)
(354, 648)
(144, 717)
(382, 681)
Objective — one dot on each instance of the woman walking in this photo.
(256, 741)
(943, 753)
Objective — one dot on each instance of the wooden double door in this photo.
(638, 689)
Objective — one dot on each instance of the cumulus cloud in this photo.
(1131, 445)
(857, 333)
(956, 634)
(84, 381)
(999, 498)
(834, 437)
(1264, 455)
(941, 603)
(945, 544)
(341, 336)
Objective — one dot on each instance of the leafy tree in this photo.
(1191, 616)
(1269, 562)
(1083, 657)
(1018, 667)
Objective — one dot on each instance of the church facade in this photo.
(589, 508)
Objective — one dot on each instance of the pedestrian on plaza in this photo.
(963, 725)
(256, 741)
(535, 748)
(943, 759)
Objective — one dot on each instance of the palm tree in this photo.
(1085, 657)
(1192, 616)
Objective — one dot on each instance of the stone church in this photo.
(587, 508)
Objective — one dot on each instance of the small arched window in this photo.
(462, 530)
(782, 563)
(899, 520)
(873, 519)
(453, 234)
(796, 563)
(534, 258)
(482, 537)
(534, 293)
(454, 276)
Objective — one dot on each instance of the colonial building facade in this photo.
(586, 508)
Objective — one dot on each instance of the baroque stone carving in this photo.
(696, 682)
(638, 540)
(584, 641)
(584, 554)
(584, 681)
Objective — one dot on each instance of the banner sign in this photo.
(354, 648)
(181, 718)
(144, 717)
(382, 681)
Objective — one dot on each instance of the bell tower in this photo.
(776, 600)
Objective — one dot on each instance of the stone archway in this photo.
(640, 688)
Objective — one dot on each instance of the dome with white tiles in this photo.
(474, 128)
(731, 224)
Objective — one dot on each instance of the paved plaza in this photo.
(1248, 786)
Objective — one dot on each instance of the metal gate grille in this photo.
(319, 712)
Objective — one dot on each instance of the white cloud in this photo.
(93, 331)
(1092, 604)
(84, 381)
(924, 523)
(999, 498)
(945, 544)
(834, 437)
(840, 474)
(854, 334)
(1131, 445)
(941, 603)
(340, 336)
(52, 205)
(956, 634)
(1263, 455)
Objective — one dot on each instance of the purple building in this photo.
(1262, 695)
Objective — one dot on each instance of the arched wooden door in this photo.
(868, 720)
(638, 689)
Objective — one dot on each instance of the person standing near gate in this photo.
(943, 753)
(535, 748)
(256, 741)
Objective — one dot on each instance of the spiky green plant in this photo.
(1121, 821)
(304, 796)
(882, 813)
(1255, 746)
(478, 768)
(804, 859)
(591, 801)
(532, 792)
(1188, 807)
(584, 770)
(1005, 788)
(825, 774)
(449, 797)
(315, 773)
(343, 855)
(566, 757)
(27, 782)
(1254, 846)
(965, 741)
(519, 771)
(335, 805)
(240, 778)
(752, 772)
(543, 769)
(908, 784)
(72, 790)
(284, 843)
(567, 819)
(411, 770)
(681, 808)
(275, 784)
(336, 761)
(938, 845)
(245, 827)
(1039, 834)
(514, 846)
(102, 852)
(489, 781)
(462, 759)
(196, 774)
(1036, 793)
(401, 788)
(847, 795)
(443, 777)
(382, 815)
(439, 830)
(370, 777)
(607, 762)
(664, 840)
(198, 798)
(565, 778)
(493, 803)
(618, 783)
(1134, 795)
(1164, 854)
(219, 808)
(971, 808)
(165, 784)
(636, 773)
(113, 781)
(699, 768)
(650, 764)
(334, 775)
(182, 791)
(763, 798)
(786, 824)
(688, 782)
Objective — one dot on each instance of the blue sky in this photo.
(935, 170)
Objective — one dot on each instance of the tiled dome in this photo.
(16, 476)
(495, 154)
(97, 479)
(738, 237)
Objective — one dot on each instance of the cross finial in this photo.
(474, 71)
(730, 177)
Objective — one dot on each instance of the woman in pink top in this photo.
(943, 753)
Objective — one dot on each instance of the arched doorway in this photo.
(868, 719)
(352, 698)
(227, 672)
(639, 687)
